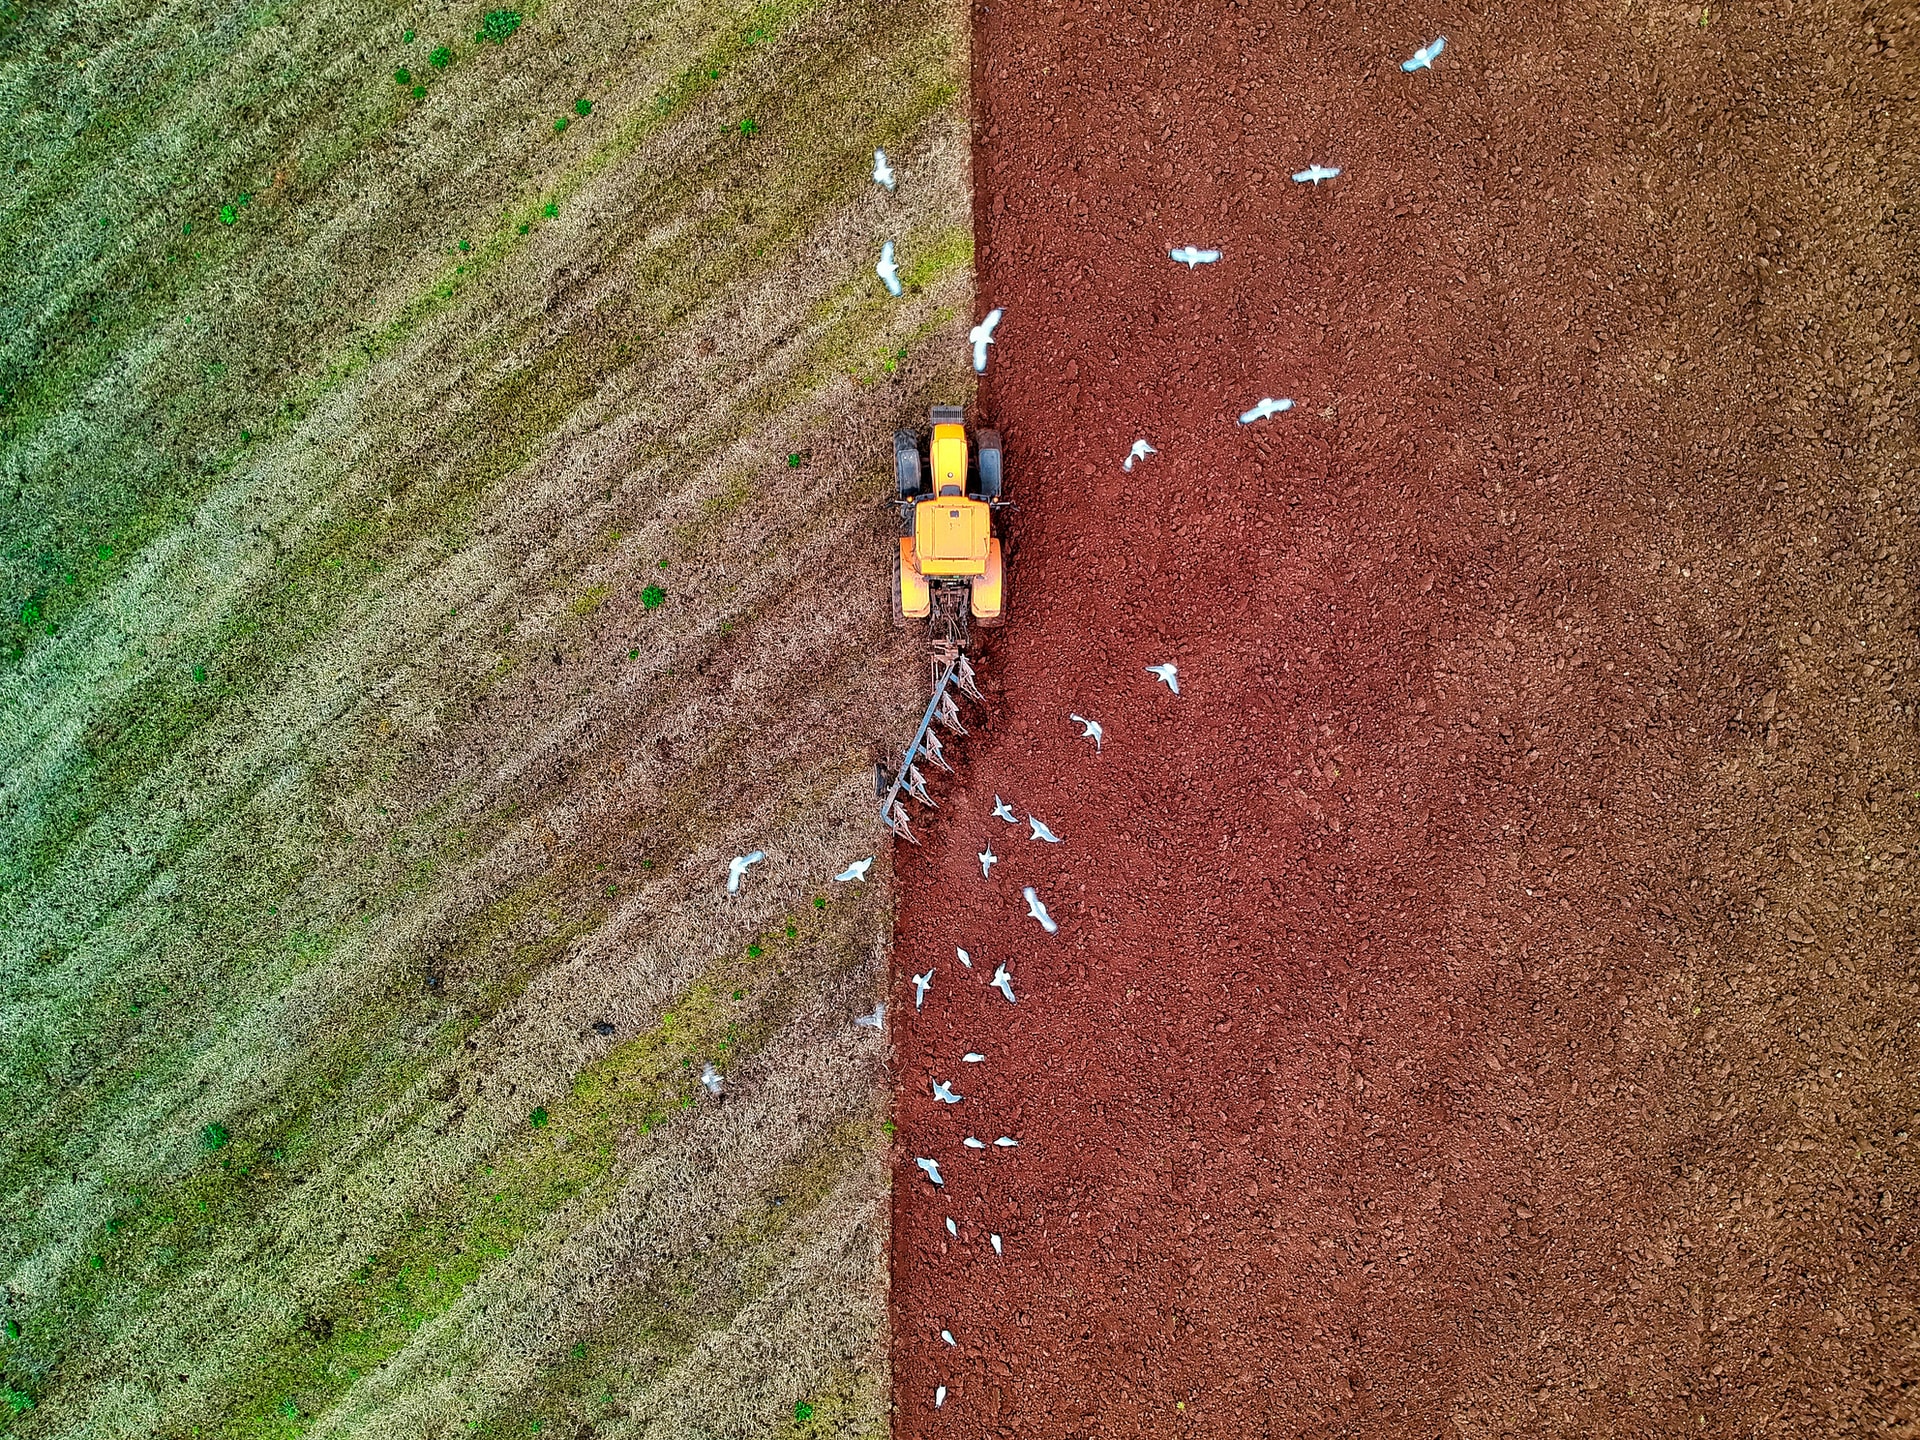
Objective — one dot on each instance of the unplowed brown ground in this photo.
(1484, 1000)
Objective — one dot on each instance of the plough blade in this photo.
(948, 714)
(917, 787)
(934, 751)
(897, 822)
(963, 677)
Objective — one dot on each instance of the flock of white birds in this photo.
(1191, 256)
(945, 1091)
(980, 337)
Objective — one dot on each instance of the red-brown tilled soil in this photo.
(1484, 997)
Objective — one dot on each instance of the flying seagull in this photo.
(1190, 257)
(943, 1092)
(710, 1078)
(932, 1167)
(973, 1144)
(882, 172)
(922, 984)
(1169, 673)
(1004, 811)
(1039, 912)
(987, 857)
(980, 337)
(965, 959)
(874, 1021)
(886, 269)
(1003, 982)
(1090, 730)
(1040, 830)
(1006, 1141)
(973, 1057)
(1424, 57)
(737, 871)
(1314, 174)
(856, 871)
(1141, 449)
(1264, 409)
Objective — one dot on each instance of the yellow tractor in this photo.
(951, 567)
(951, 571)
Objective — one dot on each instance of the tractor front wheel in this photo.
(991, 477)
(906, 464)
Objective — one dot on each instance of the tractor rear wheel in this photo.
(899, 610)
(990, 472)
(906, 463)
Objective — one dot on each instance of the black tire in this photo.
(990, 465)
(899, 610)
(906, 463)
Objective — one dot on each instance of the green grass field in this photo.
(443, 521)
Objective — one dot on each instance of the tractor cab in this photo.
(952, 533)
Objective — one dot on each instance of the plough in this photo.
(941, 710)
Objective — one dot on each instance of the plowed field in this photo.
(1483, 995)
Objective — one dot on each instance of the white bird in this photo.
(973, 1057)
(710, 1078)
(1141, 449)
(1004, 811)
(1169, 673)
(980, 337)
(922, 984)
(857, 870)
(947, 1335)
(965, 959)
(1040, 830)
(1006, 1142)
(1090, 730)
(1264, 409)
(932, 1167)
(996, 1243)
(876, 1020)
(737, 871)
(1314, 174)
(939, 1396)
(943, 1092)
(1003, 982)
(973, 1144)
(1039, 912)
(1424, 57)
(987, 857)
(882, 172)
(888, 272)
(952, 1229)
(1190, 257)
